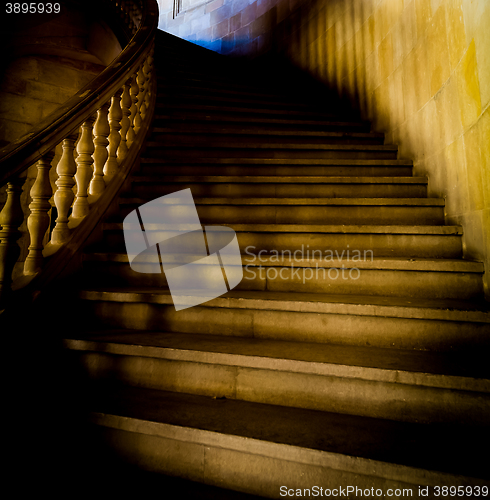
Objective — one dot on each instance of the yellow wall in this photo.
(421, 70)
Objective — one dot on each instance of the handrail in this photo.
(106, 123)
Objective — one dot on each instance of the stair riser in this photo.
(353, 396)
(202, 138)
(162, 120)
(285, 190)
(201, 97)
(381, 245)
(299, 154)
(206, 82)
(300, 214)
(259, 473)
(335, 171)
(251, 110)
(203, 91)
(393, 283)
(342, 329)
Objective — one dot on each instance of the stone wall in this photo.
(420, 69)
(237, 27)
(47, 60)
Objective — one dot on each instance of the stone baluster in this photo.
(38, 221)
(84, 161)
(115, 116)
(135, 118)
(64, 195)
(125, 122)
(149, 62)
(101, 132)
(141, 80)
(11, 217)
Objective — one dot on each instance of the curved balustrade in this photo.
(99, 133)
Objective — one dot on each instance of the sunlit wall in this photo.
(420, 69)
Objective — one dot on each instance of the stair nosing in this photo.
(269, 201)
(285, 162)
(207, 118)
(329, 229)
(272, 145)
(376, 264)
(280, 451)
(281, 179)
(224, 131)
(327, 369)
(272, 301)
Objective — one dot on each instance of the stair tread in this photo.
(245, 109)
(408, 444)
(278, 179)
(184, 88)
(282, 161)
(232, 118)
(263, 145)
(377, 263)
(188, 130)
(425, 202)
(317, 228)
(366, 305)
(431, 369)
(181, 96)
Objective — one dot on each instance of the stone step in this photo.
(243, 84)
(199, 134)
(282, 167)
(151, 186)
(361, 275)
(410, 211)
(241, 107)
(208, 79)
(383, 241)
(170, 433)
(386, 322)
(272, 150)
(179, 129)
(247, 111)
(335, 125)
(231, 81)
(193, 94)
(378, 383)
(194, 88)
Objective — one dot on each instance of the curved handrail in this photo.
(106, 122)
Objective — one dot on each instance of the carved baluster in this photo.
(64, 195)
(11, 217)
(141, 80)
(84, 162)
(125, 122)
(38, 221)
(101, 132)
(148, 81)
(135, 116)
(115, 115)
